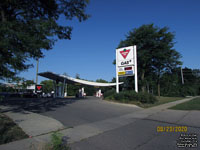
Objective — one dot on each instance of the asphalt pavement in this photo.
(88, 110)
(140, 135)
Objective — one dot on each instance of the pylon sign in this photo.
(125, 61)
(126, 64)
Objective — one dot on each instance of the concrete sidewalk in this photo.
(33, 124)
(45, 124)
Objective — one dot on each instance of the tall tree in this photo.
(155, 51)
(27, 27)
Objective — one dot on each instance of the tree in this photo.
(89, 90)
(101, 81)
(27, 83)
(155, 52)
(77, 76)
(47, 86)
(103, 89)
(171, 83)
(28, 27)
(190, 76)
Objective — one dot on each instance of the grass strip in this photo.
(9, 131)
(161, 100)
(193, 104)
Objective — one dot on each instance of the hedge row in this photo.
(128, 96)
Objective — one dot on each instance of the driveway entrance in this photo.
(88, 110)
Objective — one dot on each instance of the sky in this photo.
(91, 50)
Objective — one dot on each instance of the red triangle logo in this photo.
(39, 87)
(125, 52)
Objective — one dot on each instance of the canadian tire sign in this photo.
(38, 88)
(124, 52)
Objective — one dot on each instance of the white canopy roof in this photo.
(61, 78)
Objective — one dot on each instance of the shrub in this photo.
(109, 93)
(147, 98)
(191, 91)
(58, 142)
(128, 96)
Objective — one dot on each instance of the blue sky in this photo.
(91, 50)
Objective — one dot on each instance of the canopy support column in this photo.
(63, 89)
(55, 89)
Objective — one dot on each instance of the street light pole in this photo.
(37, 72)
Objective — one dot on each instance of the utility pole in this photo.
(36, 81)
(182, 76)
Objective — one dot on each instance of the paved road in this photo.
(139, 135)
(87, 110)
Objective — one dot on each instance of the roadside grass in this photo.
(193, 104)
(9, 131)
(161, 100)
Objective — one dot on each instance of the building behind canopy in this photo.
(59, 91)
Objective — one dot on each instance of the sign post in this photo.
(136, 78)
(117, 78)
(126, 64)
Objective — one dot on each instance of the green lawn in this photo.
(161, 100)
(193, 104)
(9, 131)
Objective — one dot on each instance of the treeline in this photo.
(172, 83)
(159, 65)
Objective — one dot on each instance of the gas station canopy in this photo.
(67, 79)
